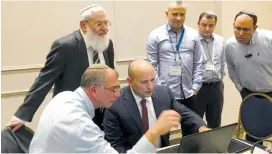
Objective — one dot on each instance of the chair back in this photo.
(256, 115)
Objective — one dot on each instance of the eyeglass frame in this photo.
(99, 22)
(110, 89)
(246, 30)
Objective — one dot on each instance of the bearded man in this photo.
(67, 60)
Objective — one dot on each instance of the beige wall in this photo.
(29, 28)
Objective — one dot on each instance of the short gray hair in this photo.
(86, 12)
(94, 75)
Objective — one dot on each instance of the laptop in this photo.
(239, 146)
(213, 141)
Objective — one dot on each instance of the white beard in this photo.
(96, 42)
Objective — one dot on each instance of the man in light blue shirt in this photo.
(249, 57)
(210, 97)
(66, 124)
(174, 51)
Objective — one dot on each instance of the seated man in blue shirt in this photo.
(138, 107)
(66, 124)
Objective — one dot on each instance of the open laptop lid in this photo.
(213, 141)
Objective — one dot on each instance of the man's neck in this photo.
(177, 30)
(206, 37)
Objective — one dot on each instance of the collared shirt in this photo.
(161, 55)
(213, 51)
(150, 110)
(254, 72)
(66, 126)
(90, 52)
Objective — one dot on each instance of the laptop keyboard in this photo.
(237, 147)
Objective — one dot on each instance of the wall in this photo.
(30, 27)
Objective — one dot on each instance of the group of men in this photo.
(180, 81)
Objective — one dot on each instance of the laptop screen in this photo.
(213, 141)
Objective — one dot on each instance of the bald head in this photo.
(176, 15)
(139, 66)
(141, 78)
(175, 5)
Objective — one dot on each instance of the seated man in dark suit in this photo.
(138, 107)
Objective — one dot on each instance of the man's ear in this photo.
(129, 80)
(92, 89)
(83, 26)
(255, 28)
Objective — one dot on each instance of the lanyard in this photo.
(178, 44)
(204, 55)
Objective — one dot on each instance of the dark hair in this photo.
(252, 15)
(208, 15)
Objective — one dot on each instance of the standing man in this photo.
(66, 124)
(174, 51)
(249, 56)
(138, 107)
(67, 60)
(210, 97)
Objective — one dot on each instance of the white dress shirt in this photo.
(150, 111)
(90, 53)
(66, 126)
(254, 72)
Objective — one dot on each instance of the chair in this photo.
(16, 142)
(255, 116)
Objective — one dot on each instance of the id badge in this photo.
(175, 70)
(209, 66)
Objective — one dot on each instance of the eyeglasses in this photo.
(99, 23)
(246, 30)
(113, 89)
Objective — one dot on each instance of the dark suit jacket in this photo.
(123, 125)
(65, 64)
(16, 142)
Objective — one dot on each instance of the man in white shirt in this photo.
(249, 57)
(66, 124)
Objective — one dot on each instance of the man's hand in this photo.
(203, 129)
(14, 123)
(166, 120)
(195, 92)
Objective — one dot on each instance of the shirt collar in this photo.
(84, 38)
(253, 39)
(86, 100)
(170, 29)
(138, 99)
(202, 38)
